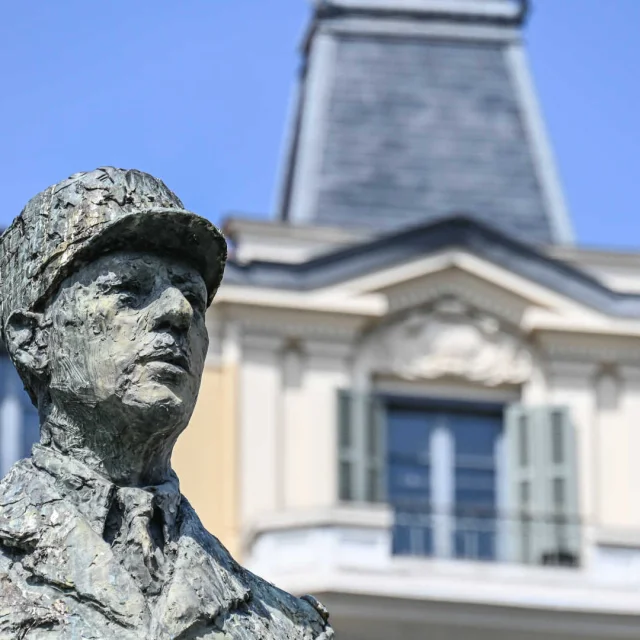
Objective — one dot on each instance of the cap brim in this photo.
(175, 232)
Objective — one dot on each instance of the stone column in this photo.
(261, 463)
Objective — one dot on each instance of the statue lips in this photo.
(170, 360)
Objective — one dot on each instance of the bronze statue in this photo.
(105, 282)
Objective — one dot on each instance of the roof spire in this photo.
(414, 110)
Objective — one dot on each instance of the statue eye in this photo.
(196, 301)
(126, 291)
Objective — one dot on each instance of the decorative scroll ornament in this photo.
(450, 342)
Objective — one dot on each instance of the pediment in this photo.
(456, 272)
(456, 256)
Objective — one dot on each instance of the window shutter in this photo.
(542, 523)
(560, 488)
(520, 484)
(362, 449)
(375, 454)
(346, 452)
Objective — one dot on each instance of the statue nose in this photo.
(172, 311)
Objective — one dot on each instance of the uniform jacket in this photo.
(60, 579)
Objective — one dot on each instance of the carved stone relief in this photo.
(451, 340)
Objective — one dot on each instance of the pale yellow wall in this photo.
(205, 457)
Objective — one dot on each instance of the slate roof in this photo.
(416, 128)
(453, 232)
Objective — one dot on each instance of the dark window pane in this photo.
(480, 462)
(480, 500)
(409, 483)
(475, 479)
(475, 438)
(409, 433)
(474, 435)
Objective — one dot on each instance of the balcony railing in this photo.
(486, 535)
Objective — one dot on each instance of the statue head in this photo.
(105, 281)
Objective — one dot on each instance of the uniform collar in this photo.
(206, 582)
(93, 494)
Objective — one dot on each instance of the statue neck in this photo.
(122, 453)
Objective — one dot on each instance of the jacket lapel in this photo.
(63, 550)
(73, 557)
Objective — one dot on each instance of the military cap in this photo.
(91, 213)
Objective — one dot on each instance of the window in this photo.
(475, 438)
(442, 480)
(465, 480)
(409, 477)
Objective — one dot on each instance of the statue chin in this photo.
(155, 408)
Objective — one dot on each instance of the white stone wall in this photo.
(288, 424)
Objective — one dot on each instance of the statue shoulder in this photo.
(289, 617)
(26, 499)
(21, 612)
(299, 617)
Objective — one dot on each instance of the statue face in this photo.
(127, 342)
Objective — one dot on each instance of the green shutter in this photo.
(560, 487)
(362, 450)
(520, 484)
(375, 454)
(542, 523)
(346, 449)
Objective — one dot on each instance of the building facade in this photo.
(421, 396)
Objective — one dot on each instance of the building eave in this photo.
(459, 231)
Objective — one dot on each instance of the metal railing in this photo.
(487, 535)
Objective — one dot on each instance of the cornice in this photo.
(507, 12)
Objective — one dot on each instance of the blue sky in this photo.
(198, 93)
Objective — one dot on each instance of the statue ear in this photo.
(26, 343)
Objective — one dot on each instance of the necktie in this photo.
(139, 543)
